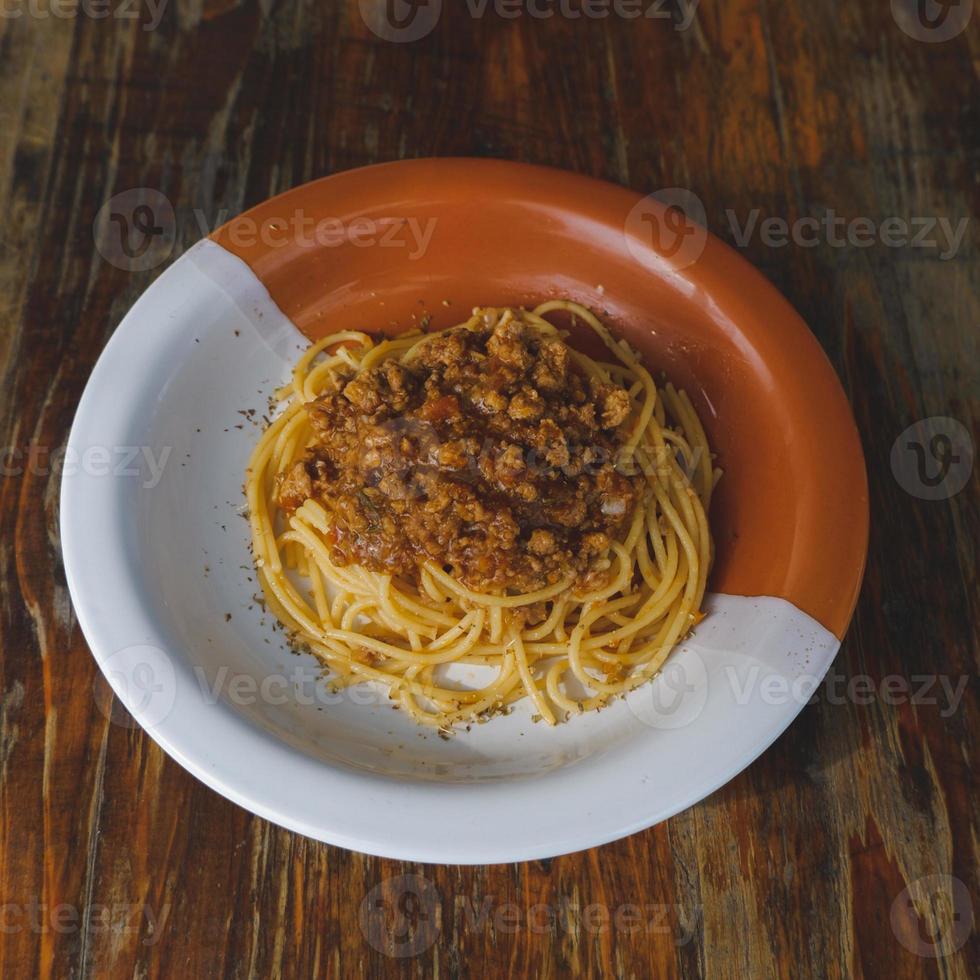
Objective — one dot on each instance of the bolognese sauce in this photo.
(486, 451)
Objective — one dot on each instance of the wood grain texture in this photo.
(113, 861)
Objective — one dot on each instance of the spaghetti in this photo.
(598, 588)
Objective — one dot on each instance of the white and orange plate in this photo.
(157, 552)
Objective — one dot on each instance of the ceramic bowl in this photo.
(156, 551)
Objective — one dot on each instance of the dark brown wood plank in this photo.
(114, 861)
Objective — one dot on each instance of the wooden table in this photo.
(114, 861)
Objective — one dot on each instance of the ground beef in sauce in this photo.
(488, 453)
